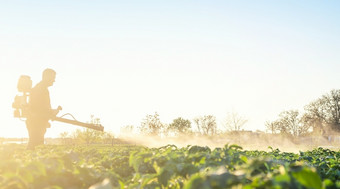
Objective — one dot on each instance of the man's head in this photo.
(48, 76)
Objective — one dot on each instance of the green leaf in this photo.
(196, 182)
(308, 178)
(327, 183)
(244, 159)
(164, 176)
(282, 178)
(202, 161)
(122, 185)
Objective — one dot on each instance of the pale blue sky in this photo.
(123, 60)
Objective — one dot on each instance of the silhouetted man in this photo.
(40, 111)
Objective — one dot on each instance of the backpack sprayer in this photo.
(21, 107)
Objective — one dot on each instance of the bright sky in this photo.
(122, 60)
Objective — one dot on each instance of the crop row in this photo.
(127, 166)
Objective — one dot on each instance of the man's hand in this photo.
(59, 108)
(56, 111)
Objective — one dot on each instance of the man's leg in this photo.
(36, 136)
(31, 136)
(41, 136)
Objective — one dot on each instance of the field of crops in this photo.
(192, 167)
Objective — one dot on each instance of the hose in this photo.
(69, 115)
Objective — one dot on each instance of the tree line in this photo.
(320, 117)
(201, 125)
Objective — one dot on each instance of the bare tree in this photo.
(151, 125)
(64, 136)
(290, 123)
(179, 126)
(272, 126)
(234, 121)
(315, 116)
(332, 109)
(88, 136)
(333, 103)
(324, 113)
(206, 125)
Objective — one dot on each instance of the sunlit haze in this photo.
(120, 61)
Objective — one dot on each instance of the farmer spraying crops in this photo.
(39, 109)
(34, 107)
